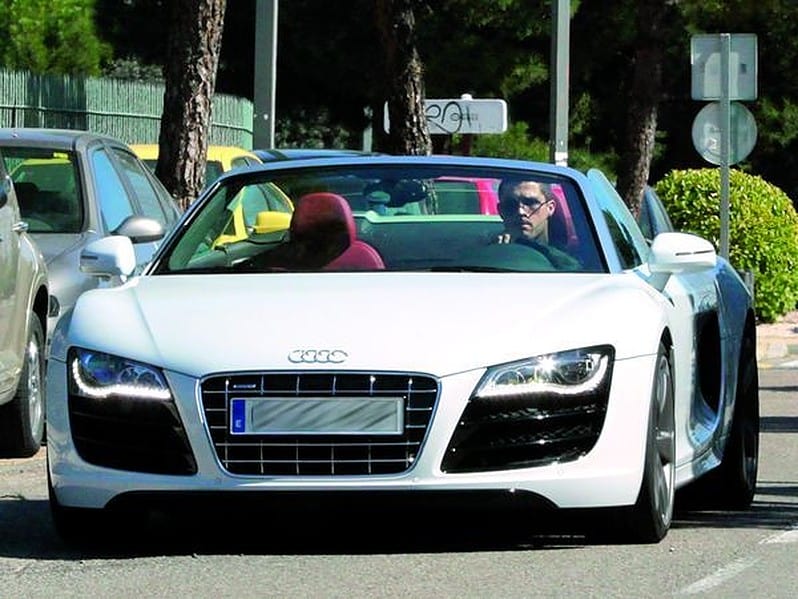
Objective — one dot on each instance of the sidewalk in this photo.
(777, 343)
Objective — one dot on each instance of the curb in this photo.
(777, 343)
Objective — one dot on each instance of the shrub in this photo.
(763, 229)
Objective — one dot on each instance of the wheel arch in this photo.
(41, 308)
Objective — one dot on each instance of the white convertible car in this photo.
(387, 341)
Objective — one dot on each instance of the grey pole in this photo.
(265, 73)
(558, 100)
(725, 142)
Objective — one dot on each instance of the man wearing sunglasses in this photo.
(525, 208)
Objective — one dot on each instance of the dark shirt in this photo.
(558, 258)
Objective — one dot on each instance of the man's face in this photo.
(526, 210)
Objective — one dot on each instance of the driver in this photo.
(526, 207)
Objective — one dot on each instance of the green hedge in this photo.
(763, 229)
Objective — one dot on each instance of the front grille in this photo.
(130, 434)
(522, 432)
(323, 455)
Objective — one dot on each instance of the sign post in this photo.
(724, 68)
(725, 127)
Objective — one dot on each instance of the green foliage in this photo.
(131, 69)
(763, 229)
(513, 143)
(517, 143)
(489, 48)
(51, 36)
(310, 129)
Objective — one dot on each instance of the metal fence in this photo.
(128, 110)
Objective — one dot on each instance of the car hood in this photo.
(418, 322)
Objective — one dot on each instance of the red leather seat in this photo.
(562, 232)
(324, 227)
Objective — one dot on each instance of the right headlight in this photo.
(100, 376)
(574, 372)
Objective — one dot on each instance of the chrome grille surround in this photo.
(318, 455)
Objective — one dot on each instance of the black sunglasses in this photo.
(534, 203)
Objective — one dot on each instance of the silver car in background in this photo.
(75, 187)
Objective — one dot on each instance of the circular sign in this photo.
(706, 133)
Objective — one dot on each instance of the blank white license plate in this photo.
(317, 416)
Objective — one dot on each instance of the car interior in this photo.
(380, 221)
(47, 193)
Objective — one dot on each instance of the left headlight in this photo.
(573, 372)
(99, 375)
(538, 411)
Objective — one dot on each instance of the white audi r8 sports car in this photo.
(390, 340)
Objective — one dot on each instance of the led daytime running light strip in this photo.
(588, 386)
(121, 390)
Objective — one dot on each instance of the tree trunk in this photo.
(644, 96)
(194, 45)
(409, 133)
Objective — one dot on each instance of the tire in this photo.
(738, 471)
(22, 419)
(649, 519)
(732, 484)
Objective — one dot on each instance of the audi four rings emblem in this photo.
(317, 356)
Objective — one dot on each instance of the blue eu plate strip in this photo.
(238, 409)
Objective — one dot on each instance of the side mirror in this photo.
(269, 221)
(140, 229)
(673, 253)
(109, 257)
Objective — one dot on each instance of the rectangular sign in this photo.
(464, 116)
(705, 61)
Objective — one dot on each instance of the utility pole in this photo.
(558, 97)
(265, 73)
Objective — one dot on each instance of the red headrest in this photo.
(323, 214)
(324, 233)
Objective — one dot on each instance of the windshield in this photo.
(387, 217)
(46, 183)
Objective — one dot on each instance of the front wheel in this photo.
(649, 519)
(22, 419)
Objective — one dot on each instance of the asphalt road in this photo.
(307, 554)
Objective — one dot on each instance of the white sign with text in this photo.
(458, 115)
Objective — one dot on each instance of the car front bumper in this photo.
(607, 475)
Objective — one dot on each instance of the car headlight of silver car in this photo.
(568, 373)
(100, 375)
